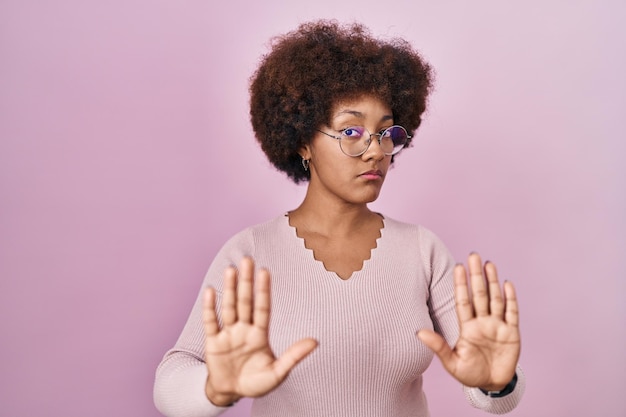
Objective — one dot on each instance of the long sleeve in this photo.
(368, 362)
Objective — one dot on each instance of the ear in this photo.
(305, 151)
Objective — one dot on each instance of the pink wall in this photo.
(126, 160)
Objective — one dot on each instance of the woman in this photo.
(359, 301)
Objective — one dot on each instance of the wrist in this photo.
(220, 399)
(497, 392)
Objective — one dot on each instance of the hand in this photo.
(488, 348)
(238, 356)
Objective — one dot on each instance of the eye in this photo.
(354, 132)
(385, 133)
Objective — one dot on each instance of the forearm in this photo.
(179, 389)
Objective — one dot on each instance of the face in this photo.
(342, 178)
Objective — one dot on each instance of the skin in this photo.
(334, 219)
(336, 180)
(489, 343)
(334, 216)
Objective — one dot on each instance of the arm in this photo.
(486, 339)
(238, 356)
(179, 387)
(223, 353)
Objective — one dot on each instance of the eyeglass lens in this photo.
(355, 140)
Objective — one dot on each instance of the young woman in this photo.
(359, 301)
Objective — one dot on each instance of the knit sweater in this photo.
(369, 361)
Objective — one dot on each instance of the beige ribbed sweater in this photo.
(369, 362)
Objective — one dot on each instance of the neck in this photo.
(330, 217)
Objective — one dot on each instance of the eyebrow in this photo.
(361, 115)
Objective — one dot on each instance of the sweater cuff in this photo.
(497, 405)
(504, 391)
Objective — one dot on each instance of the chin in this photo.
(367, 198)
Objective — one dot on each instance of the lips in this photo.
(372, 175)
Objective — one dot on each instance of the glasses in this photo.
(355, 140)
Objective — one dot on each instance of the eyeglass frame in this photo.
(369, 140)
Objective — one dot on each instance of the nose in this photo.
(374, 151)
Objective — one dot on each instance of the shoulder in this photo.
(244, 243)
(246, 239)
(421, 241)
(418, 233)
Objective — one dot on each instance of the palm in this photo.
(488, 347)
(242, 350)
(238, 356)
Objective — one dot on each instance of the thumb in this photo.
(437, 344)
(293, 355)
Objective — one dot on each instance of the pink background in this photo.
(127, 159)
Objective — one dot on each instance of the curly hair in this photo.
(321, 63)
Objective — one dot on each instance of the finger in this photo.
(437, 344)
(480, 298)
(244, 290)
(464, 309)
(511, 314)
(262, 300)
(292, 356)
(209, 318)
(229, 314)
(496, 302)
